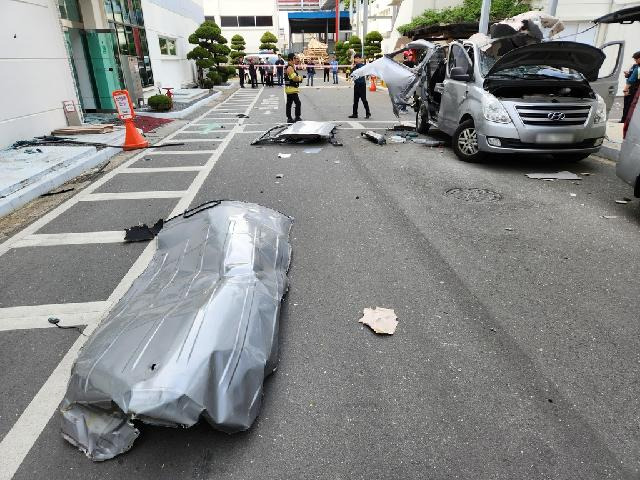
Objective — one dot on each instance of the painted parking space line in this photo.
(50, 239)
(23, 318)
(162, 169)
(20, 439)
(99, 197)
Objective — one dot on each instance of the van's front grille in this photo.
(554, 115)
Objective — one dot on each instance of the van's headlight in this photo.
(493, 110)
(601, 111)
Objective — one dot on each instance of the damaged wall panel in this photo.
(194, 337)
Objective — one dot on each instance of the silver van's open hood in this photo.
(580, 57)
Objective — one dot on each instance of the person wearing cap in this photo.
(359, 89)
(292, 87)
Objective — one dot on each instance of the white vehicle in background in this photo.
(628, 167)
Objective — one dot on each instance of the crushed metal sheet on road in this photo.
(380, 320)
(564, 175)
(299, 132)
(193, 338)
(374, 137)
(284, 155)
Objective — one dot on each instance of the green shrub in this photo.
(215, 77)
(159, 103)
(207, 83)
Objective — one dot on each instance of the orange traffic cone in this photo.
(133, 139)
(372, 88)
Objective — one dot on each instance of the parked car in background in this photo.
(628, 166)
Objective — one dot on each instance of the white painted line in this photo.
(22, 318)
(20, 439)
(196, 140)
(99, 197)
(162, 169)
(356, 125)
(183, 152)
(49, 239)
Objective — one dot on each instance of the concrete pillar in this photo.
(485, 12)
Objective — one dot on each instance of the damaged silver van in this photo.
(541, 98)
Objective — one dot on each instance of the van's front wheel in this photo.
(465, 142)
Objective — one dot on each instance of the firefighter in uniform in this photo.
(291, 87)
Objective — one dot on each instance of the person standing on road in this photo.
(631, 85)
(252, 74)
(280, 67)
(359, 89)
(334, 70)
(325, 69)
(291, 89)
(241, 71)
(311, 72)
(261, 70)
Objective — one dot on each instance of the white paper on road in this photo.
(380, 320)
(564, 175)
(401, 80)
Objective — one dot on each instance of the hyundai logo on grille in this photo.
(555, 116)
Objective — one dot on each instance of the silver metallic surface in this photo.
(628, 166)
(305, 131)
(194, 337)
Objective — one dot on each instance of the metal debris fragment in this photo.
(564, 175)
(284, 155)
(374, 137)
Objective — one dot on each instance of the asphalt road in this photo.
(517, 351)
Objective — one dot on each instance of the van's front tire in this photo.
(465, 143)
(422, 120)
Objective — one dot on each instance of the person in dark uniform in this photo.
(252, 74)
(262, 72)
(241, 71)
(280, 66)
(359, 89)
(325, 69)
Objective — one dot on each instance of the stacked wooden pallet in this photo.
(315, 51)
(84, 129)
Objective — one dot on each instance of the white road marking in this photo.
(183, 152)
(100, 197)
(50, 239)
(23, 318)
(162, 169)
(195, 140)
(20, 439)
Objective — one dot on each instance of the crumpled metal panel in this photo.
(401, 80)
(194, 337)
(303, 131)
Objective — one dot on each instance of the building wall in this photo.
(176, 20)
(218, 8)
(32, 49)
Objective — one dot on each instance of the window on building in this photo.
(167, 46)
(246, 21)
(70, 10)
(264, 21)
(228, 21)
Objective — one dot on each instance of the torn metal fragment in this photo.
(564, 175)
(374, 137)
(193, 338)
(299, 132)
(381, 320)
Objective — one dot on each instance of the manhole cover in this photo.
(474, 194)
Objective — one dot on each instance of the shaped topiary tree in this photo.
(355, 44)
(210, 52)
(372, 47)
(237, 48)
(269, 41)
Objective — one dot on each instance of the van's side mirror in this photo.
(460, 74)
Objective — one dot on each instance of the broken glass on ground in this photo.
(380, 320)
(564, 175)
(193, 338)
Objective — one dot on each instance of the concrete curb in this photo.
(180, 114)
(54, 179)
(610, 153)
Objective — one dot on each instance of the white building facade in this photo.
(82, 50)
(248, 18)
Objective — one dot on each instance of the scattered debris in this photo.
(84, 129)
(608, 216)
(284, 155)
(573, 195)
(402, 128)
(143, 233)
(585, 174)
(56, 321)
(169, 353)
(58, 192)
(279, 175)
(564, 175)
(397, 139)
(312, 150)
(299, 132)
(374, 137)
(622, 202)
(242, 115)
(509, 229)
(336, 161)
(380, 320)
